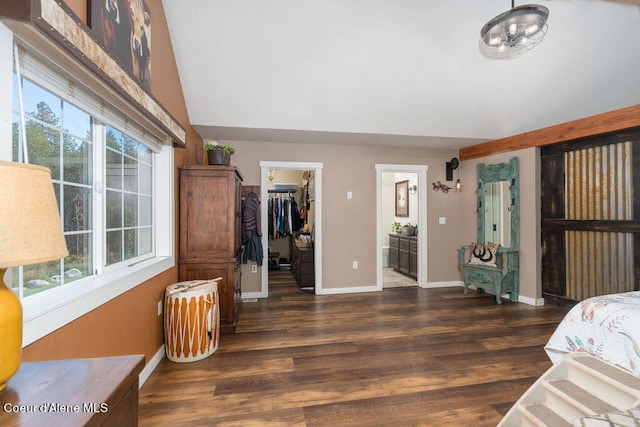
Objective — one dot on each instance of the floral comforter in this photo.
(607, 327)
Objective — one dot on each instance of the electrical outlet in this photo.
(160, 308)
(355, 265)
(254, 268)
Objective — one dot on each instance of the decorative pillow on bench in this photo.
(483, 254)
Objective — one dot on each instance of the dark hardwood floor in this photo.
(404, 356)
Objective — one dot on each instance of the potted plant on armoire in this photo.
(218, 154)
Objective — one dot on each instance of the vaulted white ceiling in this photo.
(403, 72)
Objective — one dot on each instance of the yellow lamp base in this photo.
(10, 332)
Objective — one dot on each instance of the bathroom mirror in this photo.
(499, 204)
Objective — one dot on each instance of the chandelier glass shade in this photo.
(514, 31)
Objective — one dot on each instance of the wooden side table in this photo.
(77, 392)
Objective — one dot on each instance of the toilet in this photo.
(385, 256)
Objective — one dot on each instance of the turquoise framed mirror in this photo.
(498, 204)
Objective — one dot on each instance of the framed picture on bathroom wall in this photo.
(402, 198)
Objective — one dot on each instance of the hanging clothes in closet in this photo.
(284, 216)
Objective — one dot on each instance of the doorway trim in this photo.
(317, 242)
(421, 170)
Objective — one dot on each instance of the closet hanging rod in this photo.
(282, 191)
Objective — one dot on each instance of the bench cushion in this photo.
(483, 254)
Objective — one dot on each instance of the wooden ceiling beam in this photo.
(612, 121)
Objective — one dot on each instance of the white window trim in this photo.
(43, 317)
(44, 313)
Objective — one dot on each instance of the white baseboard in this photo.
(252, 295)
(536, 302)
(356, 289)
(525, 300)
(454, 283)
(149, 367)
(450, 284)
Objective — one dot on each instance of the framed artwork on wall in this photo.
(123, 28)
(402, 198)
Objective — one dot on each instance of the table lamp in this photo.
(30, 232)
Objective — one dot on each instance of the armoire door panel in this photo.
(207, 207)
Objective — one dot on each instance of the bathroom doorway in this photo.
(403, 185)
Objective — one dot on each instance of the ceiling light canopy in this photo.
(514, 31)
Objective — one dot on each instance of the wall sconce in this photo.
(450, 167)
(413, 189)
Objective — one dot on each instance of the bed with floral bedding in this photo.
(606, 326)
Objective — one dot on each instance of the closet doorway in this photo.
(412, 178)
(285, 191)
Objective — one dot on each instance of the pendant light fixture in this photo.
(514, 31)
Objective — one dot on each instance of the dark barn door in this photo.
(590, 217)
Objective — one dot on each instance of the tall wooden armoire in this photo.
(210, 235)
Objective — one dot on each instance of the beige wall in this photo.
(530, 274)
(349, 226)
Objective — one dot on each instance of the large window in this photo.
(75, 146)
(113, 177)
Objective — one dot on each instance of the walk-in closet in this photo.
(290, 221)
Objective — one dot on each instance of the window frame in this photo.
(44, 313)
(104, 266)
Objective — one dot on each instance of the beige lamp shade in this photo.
(30, 227)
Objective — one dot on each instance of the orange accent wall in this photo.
(130, 324)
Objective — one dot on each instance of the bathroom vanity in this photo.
(403, 254)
